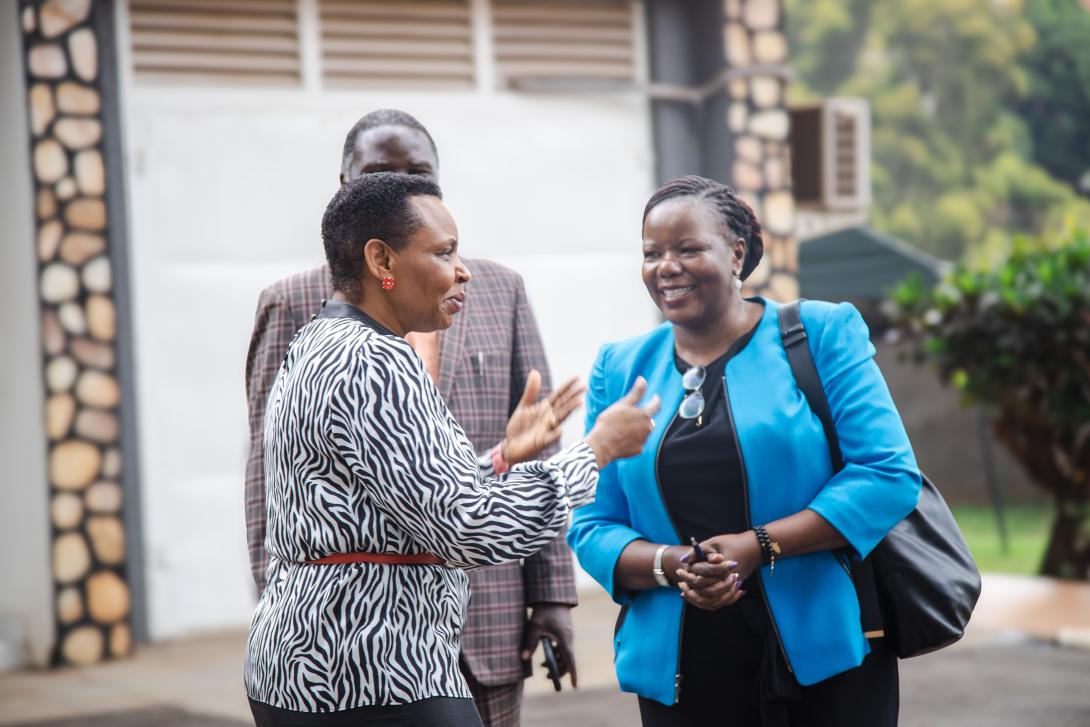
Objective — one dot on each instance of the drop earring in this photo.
(737, 283)
(388, 283)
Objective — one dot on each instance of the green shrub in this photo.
(1016, 338)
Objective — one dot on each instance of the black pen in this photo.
(698, 554)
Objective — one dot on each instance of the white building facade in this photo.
(230, 119)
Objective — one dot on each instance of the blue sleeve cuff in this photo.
(865, 521)
(864, 528)
(599, 554)
(880, 482)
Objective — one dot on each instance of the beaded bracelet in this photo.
(769, 548)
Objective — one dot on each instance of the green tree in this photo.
(952, 159)
(826, 37)
(1016, 338)
(1057, 107)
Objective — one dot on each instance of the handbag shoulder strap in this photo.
(797, 346)
(801, 359)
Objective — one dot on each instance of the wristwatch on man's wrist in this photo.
(656, 569)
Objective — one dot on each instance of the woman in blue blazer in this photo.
(765, 628)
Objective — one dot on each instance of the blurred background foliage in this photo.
(980, 112)
(1016, 339)
(1028, 526)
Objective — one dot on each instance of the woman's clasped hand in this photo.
(717, 581)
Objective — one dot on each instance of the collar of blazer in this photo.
(452, 340)
(451, 343)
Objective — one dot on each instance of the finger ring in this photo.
(652, 425)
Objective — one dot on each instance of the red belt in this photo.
(386, 558)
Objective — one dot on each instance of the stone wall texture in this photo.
(78, 324)
(757, 63)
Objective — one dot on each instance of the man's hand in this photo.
(552, 620)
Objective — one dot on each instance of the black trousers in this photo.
(434, 712)
(724, 655)
(867, 696)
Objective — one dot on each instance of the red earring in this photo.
(388, 283)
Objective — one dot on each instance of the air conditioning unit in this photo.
(830, 154)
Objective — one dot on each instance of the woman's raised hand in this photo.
(535, 425)
(621, 430)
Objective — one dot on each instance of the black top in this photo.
(700, 470)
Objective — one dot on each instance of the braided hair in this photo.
(736, 216)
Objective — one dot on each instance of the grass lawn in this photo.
(1028, 526)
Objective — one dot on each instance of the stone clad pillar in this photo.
(757, 56)
(77, 275)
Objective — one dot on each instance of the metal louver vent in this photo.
(406, 43)
(830, 154)
(846, 151)
(845, 183)
(209, 41)
(558, 40)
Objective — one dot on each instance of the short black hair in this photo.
(375, 119)
(737, 217)
(372, 206)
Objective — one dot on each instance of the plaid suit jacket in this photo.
(484, 360)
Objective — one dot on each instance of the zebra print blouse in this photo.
(362, 455)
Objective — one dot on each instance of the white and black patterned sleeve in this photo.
(420, 470)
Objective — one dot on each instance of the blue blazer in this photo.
(811, 598)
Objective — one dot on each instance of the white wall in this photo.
(26, 611)
(227, 188)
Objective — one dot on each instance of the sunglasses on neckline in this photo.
(692, 406)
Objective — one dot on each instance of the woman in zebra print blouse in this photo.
(362, 458)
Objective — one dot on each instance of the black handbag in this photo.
(920, 584)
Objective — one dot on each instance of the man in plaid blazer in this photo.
(482, 363)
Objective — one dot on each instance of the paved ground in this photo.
(142, 717)
(1028, 684)
(1008, 672)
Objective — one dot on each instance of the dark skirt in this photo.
(434, 712)
(733, 674)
